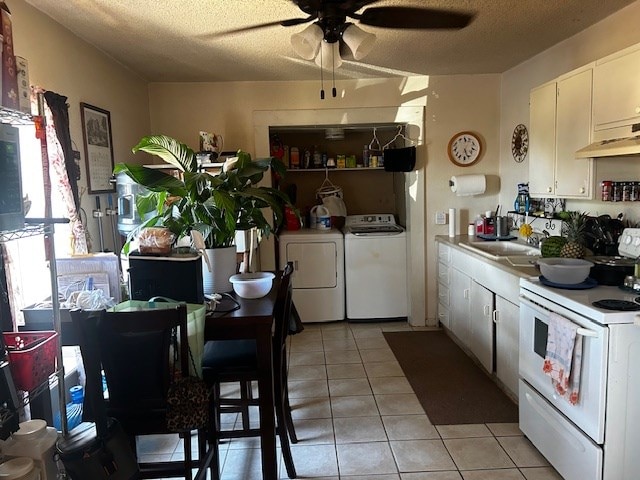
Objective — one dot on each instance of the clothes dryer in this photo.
(318, 275)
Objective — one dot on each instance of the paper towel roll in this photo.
(465, 185)
(452, 222)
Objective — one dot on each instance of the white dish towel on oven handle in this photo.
(563, 359)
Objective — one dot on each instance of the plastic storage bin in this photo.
(32, 357)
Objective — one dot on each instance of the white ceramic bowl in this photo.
(252, 285)
(566, 271)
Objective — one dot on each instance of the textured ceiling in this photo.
(180, 41)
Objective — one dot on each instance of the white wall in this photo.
(453, 104)
(614, 33)
(63, 63)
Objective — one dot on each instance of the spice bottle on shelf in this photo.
(294, 157)
(365, 156)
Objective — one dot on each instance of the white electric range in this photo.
(599, 437)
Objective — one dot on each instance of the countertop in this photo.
(502, 263)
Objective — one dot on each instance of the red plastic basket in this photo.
(32, 357)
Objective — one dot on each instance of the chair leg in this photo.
(284, 388)
(246, 394)
(188, 460)
(282, 430)
(287, 408)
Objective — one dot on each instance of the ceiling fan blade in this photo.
(284, 23)
(410, 17)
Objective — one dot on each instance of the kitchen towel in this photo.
(466, 185)
(452, 222)
(563, 359)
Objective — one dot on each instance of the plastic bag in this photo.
(90, 300)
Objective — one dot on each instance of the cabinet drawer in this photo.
(444, 274)
(443, 315)
(443, 294)
(444, 253)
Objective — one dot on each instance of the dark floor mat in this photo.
(450, 386)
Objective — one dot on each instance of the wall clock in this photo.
(519, 143)
(464, 149)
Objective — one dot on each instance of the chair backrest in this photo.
(137, 358)
(282, 308)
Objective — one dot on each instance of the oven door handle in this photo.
(585, 332)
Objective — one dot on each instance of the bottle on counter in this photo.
(479, 225)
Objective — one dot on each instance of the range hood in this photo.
(611, 148)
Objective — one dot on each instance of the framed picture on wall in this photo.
(98, 148)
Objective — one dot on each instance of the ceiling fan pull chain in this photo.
(333, 72)
(321, 78)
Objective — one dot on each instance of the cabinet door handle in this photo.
(295, 265)
(487, 310)
(495, 316)
(466, 293)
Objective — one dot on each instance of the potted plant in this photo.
(213, 205)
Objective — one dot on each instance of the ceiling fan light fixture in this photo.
(307, 42)
(329, 52)
(359, 42)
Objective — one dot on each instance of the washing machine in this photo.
(318, 272)
(375, 253)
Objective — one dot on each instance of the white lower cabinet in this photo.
(481, 335)
(460, 309)
(478, 304)
(506, 318)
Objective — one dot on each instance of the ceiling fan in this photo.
(330, 27)
(331, 16)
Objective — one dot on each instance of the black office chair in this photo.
(134, 349)
(236, 361)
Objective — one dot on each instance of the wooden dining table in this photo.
(238, 318)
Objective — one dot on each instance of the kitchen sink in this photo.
(498, 250)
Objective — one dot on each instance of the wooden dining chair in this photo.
(235, 361)
(134, 350)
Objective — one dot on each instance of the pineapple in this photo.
(574, 230)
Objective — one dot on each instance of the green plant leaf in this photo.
(170, 150)
(151, 179)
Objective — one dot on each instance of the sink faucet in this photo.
(536, 239)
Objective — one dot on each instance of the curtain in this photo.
(60, 113)
(60, 158)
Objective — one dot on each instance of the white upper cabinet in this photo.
(542, 140)
(574, 176)
(560, 124)
(616, 89)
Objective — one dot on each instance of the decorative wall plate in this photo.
(520, 143)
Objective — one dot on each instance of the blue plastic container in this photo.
(74, 409)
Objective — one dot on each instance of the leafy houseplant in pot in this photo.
(208, 207)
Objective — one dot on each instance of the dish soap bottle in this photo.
(521, 205)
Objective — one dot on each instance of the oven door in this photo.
(589, 413)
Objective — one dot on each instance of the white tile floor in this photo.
(357, 418)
